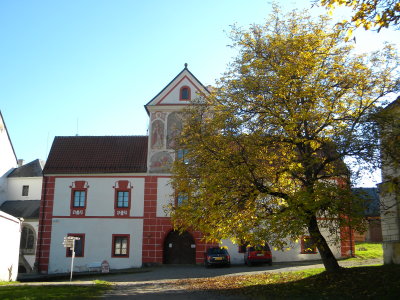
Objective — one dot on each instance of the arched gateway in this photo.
(179, 248)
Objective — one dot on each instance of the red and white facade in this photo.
(112, 193)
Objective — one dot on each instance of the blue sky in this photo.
(89, 66)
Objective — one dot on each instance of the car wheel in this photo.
(270, 263)
(249, 263)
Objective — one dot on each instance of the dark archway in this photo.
(179, 248)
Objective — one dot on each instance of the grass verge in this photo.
(350, 283)
(26, 292)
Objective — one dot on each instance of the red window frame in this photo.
(181, 93)
(68, 252)
(122, 186)
(116, 236)
(78, 186)
(305, 249)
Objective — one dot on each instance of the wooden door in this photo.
(179, 248)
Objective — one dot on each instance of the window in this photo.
(79, 194)
(120, 245)
(308, 245)
(79, 198)
(79, 245)
(27, 243)
(181, 154)
(25, 190)
(122, 200)
(180, 198)
(184, 93)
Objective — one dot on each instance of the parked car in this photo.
(217, 256)
(258, 255)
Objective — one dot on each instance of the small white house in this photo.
(10, 232)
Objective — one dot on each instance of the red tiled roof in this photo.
(97, 154)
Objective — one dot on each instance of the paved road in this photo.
(161, 282)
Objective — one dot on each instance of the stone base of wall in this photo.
(391, 253)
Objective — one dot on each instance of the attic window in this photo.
(25, 190)
(184, 94)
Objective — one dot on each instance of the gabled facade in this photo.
(390, 186)
(112, 193)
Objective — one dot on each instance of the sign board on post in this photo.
(69, 242)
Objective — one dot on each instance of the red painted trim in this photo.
(189, 93)
(113, 245)
(98, 176)
(95, 217)
(78, 186)
(68, 252)
(184, 77)
(122, 186)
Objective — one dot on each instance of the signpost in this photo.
(69, 242)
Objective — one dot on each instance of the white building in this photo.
(111, 191)
(390, 190)
(10, 230)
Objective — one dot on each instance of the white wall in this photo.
(100, 196)
(291, 253)
(10, 233)
(15, 188)
(98, 242)
(164, 196)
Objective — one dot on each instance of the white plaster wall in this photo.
(100, 196)
(164, 196)
(10, 234)
(15, 188)
(98, 243)
(173, 96)
(291, 253)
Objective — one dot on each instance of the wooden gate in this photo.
(179, 248)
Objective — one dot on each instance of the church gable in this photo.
(183, 89)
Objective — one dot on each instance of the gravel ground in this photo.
(160, 282)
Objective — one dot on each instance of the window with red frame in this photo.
(120, 245)
(184, 93)
(308, 245)
(79, 198)
(122, 202)
(79, 245)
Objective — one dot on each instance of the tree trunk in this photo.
(328, 259)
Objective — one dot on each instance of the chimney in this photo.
(20, 162)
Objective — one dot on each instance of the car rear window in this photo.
(216, 251)
(259, 248)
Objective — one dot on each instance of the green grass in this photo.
(377, 282)
(368, 250)
(25, 292)
(8, 282)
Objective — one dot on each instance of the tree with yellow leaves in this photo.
(370, 13)
(263, 155)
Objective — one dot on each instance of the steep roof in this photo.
(97, 154)
(32, 169)
(27, 209)
(184, 77)
(371, 200)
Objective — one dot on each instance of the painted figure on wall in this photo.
(174, 128)
(161, 162)
(157, 134)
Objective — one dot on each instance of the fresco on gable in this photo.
(157, 134)
(161, 162)
(158, 115)
(174, 128)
